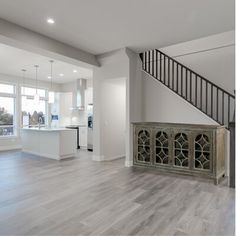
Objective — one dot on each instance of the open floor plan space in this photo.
(78, 196)
(117, 118)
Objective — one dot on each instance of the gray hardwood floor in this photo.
(39, 196)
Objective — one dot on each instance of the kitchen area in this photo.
(46, 105)
(70, 127)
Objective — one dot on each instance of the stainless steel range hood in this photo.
(79, 95)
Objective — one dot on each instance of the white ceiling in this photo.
(13, 60)
(103, 25)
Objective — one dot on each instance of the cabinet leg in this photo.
(216, 181)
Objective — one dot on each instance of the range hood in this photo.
(78, 97)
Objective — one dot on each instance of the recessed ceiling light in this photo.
(61, 74)
(50, 21)
(49, 77)
(75, 71)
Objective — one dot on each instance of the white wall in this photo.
(134, 101)
(113, 109)
(160, 104)
(114, 66)
(122, 63)
(7, 143)
(212, 57)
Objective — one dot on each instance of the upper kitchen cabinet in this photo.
(65, 109)
(88, 96)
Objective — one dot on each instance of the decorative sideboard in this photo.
(197, 150)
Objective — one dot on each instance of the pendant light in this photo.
(36, 96)
(51, 95)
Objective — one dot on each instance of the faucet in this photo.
(40, 121)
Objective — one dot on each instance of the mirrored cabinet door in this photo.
(202, 151)
(181, 149)
(143, 153)
(162, 147)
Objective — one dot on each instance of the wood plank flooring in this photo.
(39, 196)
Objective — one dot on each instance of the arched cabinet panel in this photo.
(181, 150)
(196, 150)
(162, 147)
(202, 151)
(143, 148)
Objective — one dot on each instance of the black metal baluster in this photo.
(191, 87)
(164, 69)
(160, 67)
(206, 96)
(228, 110)
(223, 108)
(186, 84)
(144, 61)
(200, 93)
(156, 64)
(177, 78)
(211, 101)
(217, 104)
(149, 63)
(153, 62)
(173, 78)
(168, 72)
(181, 81)
(196, 90)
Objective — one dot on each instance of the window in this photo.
(33, 114)
(7, 109)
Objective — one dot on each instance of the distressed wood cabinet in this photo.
(197, 150)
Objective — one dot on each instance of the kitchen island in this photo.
(59, 143)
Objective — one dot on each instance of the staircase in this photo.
(209, 98)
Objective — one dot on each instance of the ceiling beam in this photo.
(17, 36)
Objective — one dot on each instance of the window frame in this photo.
(31, 97)
(14, 96)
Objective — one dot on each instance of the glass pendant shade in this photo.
(51, 97)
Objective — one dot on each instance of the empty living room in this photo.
(117, 118)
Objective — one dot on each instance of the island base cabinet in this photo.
(197, 150)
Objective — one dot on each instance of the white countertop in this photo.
(47, 129)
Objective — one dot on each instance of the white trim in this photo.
(46, 155)
(10, 147)
(98, 158)
(115, 158)
(128, 163)
(5, 137)
(102, 158)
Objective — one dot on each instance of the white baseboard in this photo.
(102, 158)
(50, 156)
(128, 163)
(10, 147)
(98, 158)
(115, 158)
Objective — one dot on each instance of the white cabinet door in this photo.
(83, 136)
(64, 109)
(88, 96)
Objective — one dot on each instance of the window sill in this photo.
(9, 137)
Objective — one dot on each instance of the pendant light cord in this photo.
(36, 73)
(51, 73)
